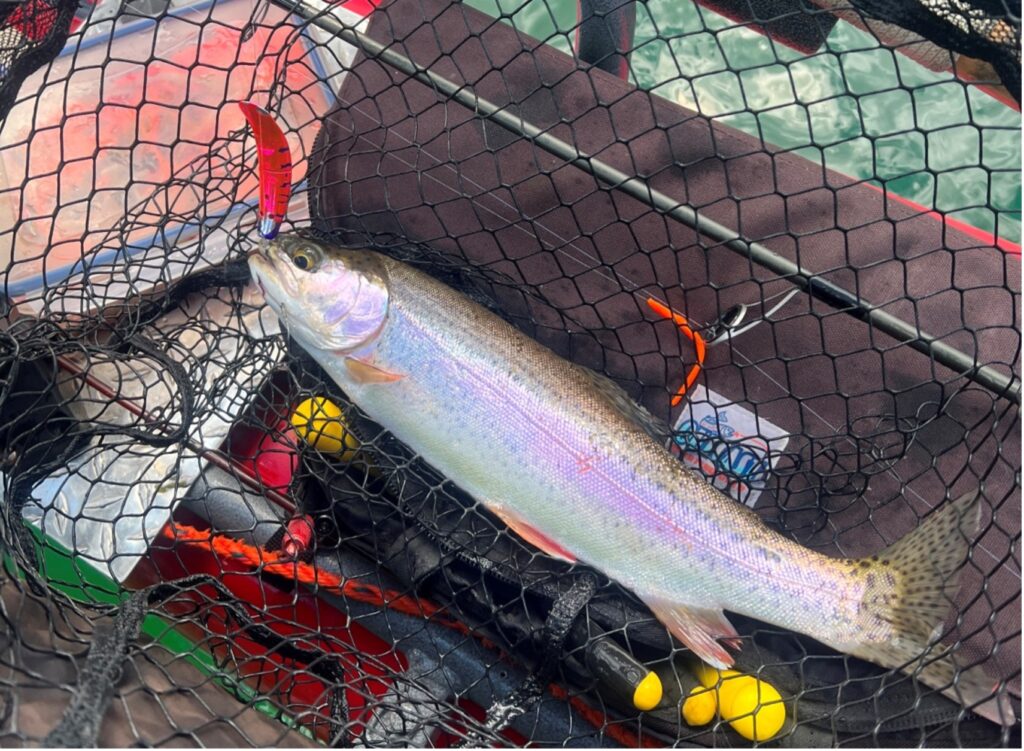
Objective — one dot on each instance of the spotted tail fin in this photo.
(909, 586)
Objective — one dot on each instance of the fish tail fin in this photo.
(909, 586)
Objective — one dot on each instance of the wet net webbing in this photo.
(789, 230)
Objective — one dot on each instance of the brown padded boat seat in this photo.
(879, 434)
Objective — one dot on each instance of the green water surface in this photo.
(860, 109)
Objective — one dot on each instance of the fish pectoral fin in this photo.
(363, 372)
(531, 535)
(700, 629)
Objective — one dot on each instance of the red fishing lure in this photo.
(275, 168)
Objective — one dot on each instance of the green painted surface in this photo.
(84, 583)
(861, 110)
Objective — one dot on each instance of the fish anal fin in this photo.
(532, 536)
(364, 372)
(701, 629)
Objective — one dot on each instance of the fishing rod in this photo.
(837, 297)
(243, 474)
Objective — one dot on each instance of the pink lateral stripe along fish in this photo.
(563, 456)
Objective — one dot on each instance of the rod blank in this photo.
(1001, 384)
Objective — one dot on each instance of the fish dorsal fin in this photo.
(363, 372)
(626, 406)
(701, 629)
(531, 535)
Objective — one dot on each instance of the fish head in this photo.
(328, 298)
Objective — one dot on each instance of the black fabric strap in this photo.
(79, 727)
(564, 612)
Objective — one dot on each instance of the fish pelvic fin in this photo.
(533, 536)
(909, 586)
(701, 629)
(364, 372)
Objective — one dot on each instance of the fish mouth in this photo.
(271, 274)
(260, 263)
(260, 249)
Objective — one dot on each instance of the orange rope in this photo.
(698, 344)
(273, 562)
(277, 563)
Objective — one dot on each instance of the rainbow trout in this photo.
(557, 452)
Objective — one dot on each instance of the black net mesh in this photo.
(31, 35)
(206, 542)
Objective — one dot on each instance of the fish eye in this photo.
(305, 258)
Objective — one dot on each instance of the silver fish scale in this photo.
(526, 433)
